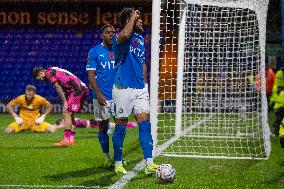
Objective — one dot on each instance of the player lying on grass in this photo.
(29, 117)
(89, 123)
(73, 93)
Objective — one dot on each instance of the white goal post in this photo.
(204, 102)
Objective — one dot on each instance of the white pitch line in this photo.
(47, 186)
(124, 180)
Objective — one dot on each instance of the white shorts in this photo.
(129, 100)
(102, 112)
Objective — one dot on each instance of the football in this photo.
(165, 173)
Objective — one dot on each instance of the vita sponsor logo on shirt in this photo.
(108, 64)
(137, 51)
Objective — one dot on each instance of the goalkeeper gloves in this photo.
(40, 119)
(18, 120)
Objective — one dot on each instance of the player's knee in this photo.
(67, 113)
(121, 121)
(9, 130)
(103, 126)
(51, 129)
(141, 117)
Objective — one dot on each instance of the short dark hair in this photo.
(36, 70)
(31, 88)
(124, 15)
(106, 26)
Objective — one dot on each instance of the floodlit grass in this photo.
(220, 134)
(29, 159)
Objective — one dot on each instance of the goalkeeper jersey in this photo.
(130, 59)
(31, 111)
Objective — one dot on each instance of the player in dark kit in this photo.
(73, 93)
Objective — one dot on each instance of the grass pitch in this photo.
(28, 160)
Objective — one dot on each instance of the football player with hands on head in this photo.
(101, 70)
(29, 117)
(130, 90)
(72, 92)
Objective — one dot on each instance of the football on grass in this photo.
(165, 173)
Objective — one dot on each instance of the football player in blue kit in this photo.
(130, 90)
(101, 70)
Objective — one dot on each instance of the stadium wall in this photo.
(79, 15)
(54, 33)
(60, 33)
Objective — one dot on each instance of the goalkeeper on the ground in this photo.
(29, 117)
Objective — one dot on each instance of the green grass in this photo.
(220, 134)
(29, 159)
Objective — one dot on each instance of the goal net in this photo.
(204, 102)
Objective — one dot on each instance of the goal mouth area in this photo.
(206, 102)
(216, 139)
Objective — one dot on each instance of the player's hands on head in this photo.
(19, 120)
(135, 13)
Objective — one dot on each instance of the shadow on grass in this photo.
(33, 147)
(102, 181)
(106, 180)
(281, 164)
(276, 180)
(102, 176)
(86, 137)
(79, 173)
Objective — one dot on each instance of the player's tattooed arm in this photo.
(95, 88)
(60, 92)
(128, 28)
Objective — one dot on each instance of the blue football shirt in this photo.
(130, 58)
(101, 59)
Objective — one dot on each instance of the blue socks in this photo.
(145, 138)
(117, 140)
(104, 141)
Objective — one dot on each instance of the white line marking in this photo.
(176, 137)
(124, 180)
(48, 186)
